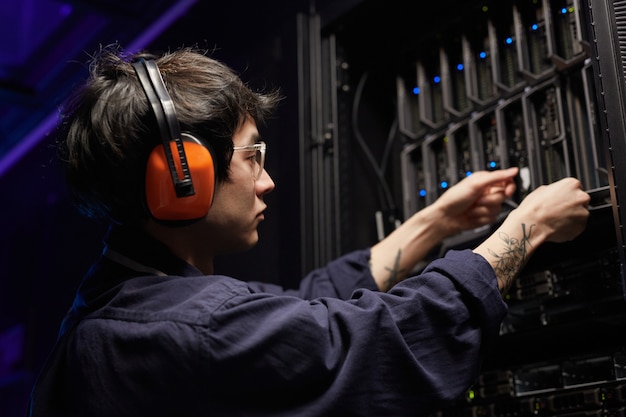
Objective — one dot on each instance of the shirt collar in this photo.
(135, 249)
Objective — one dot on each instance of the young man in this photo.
(154, 332)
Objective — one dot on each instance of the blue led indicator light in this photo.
(468, 173)
(437, 79)
(444, 184)
(422, 193)
(460, 67)
(563, 10)
(509, 41)
(482, 55)
(492, 164)
(416, 90)
(535, 27)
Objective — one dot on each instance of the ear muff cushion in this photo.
(160, 194)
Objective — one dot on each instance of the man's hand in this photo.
(557, 212)
(476, 200)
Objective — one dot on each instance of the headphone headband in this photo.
(163, 109)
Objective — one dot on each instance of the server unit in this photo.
(408, 99)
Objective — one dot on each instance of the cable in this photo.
(388, 202)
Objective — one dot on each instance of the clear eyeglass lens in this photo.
(259, 157)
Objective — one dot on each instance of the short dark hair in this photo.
(108, 129)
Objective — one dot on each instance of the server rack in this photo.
(453, 87)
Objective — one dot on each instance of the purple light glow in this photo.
(29, 142)
(11, 349)
(65, 10)
(159, 26)
(48, 124)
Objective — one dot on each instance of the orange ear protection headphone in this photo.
(180, 173)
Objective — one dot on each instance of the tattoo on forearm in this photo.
(394, 272)
(512, 258)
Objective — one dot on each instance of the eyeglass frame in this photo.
(260, 148)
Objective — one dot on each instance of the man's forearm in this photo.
(395, 256)
(509, 248)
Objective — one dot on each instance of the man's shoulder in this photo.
(183, 299)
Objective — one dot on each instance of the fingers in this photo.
(499, 178)
(480, 188)
(560, 209)
(510, 189)
(495, 195)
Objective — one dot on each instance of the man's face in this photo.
(238, 204)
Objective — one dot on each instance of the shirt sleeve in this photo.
(339, 279)
(415, 347)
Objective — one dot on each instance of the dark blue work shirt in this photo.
(149, 335)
